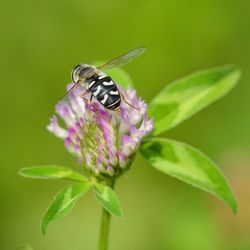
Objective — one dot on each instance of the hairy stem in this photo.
(105, 226)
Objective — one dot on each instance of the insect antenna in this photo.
(75, 85)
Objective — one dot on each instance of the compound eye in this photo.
(86, 72)
(74, 74)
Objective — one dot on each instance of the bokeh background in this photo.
(40, 43)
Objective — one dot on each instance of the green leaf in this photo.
(51, 172)
(189, 165)
(63, 203)
(187, 96)
(108, 199)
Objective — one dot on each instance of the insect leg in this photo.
(91, 97)
(82, 96)
(124, 99)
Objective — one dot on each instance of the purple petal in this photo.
(66, 113)
(54, 128)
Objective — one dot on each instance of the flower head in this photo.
(104, 141)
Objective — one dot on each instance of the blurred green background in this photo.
(40, 43)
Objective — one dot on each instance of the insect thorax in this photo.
(93, 80)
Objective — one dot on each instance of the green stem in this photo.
(105, 226)
(104, 232)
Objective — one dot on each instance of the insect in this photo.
(100, 85)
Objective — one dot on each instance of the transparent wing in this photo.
(123, 59)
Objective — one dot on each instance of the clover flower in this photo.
(104, 141)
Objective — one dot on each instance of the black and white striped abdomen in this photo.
(104, 89)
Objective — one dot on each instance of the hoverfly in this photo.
(100, 85)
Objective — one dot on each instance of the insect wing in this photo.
(123, 59)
